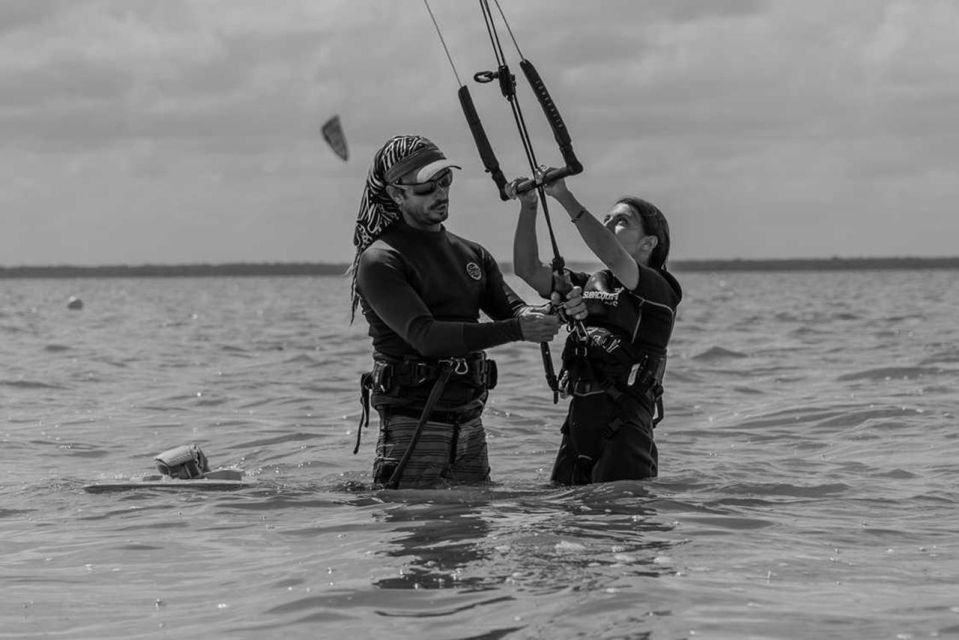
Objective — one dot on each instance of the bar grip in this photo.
(555, 119)
(550, 176)
(482, 142)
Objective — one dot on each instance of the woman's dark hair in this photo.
(654, 224)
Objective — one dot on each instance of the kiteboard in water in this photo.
(219, 480)
(183, 467)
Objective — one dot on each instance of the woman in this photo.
(613, 370)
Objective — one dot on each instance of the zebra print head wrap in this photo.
(377, 210)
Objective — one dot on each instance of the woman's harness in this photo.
(395, 384)
(599, 361)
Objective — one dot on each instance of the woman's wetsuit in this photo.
(615, 378)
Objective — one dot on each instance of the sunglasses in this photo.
(426, 188)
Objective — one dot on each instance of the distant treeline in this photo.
(177, 270)
(323, 269)
(816, 264)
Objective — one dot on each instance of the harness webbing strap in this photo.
(435, 393)
(365, 380)
(551, 380)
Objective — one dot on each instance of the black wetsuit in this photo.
(422, 293)
(615, 378)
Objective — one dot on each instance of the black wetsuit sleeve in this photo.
(576, 278)
(500, 301)
(389, 294)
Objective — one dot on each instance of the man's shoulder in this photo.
(471, 245)
(380, 251)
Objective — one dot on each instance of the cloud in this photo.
(172, 69)
(739, 117)
(15, 16)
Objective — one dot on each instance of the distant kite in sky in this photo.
(333, 134)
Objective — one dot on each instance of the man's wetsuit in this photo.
(422, 293)
(615, 378)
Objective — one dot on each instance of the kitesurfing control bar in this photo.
(572, 166)
(507, 84)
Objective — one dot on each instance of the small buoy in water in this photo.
(74, 303)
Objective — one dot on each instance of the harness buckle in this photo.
(635, 369)
(459, 365)
(420, 372)
(382, 376)
(579, 331)
(582, 387)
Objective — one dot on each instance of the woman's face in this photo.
(627, 225)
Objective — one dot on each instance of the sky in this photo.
(188, 131)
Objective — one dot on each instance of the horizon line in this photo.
(340, 268)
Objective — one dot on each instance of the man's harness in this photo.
(396, 383)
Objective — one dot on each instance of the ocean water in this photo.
(808, 482)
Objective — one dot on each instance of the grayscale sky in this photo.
(187, 131)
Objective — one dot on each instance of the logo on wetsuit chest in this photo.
(609, 298)
(473, 270)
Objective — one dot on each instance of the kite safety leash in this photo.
(572, 166)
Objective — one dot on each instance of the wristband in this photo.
(579, 215)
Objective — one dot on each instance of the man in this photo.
(421, 289)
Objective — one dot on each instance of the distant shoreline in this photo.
(240, 269)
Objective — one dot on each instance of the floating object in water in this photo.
(183, 467)
(74, 303)
(185, 462)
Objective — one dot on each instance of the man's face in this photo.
(425, 205)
